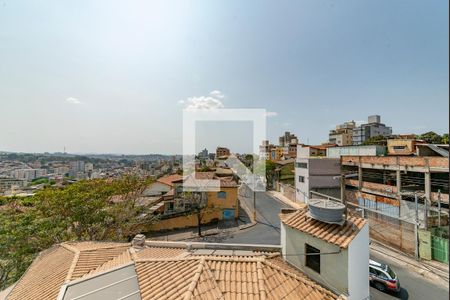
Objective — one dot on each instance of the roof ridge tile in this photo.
(190, 291)
(304, 280)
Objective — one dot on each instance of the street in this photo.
(267, 231)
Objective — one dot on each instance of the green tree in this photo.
(199, 207)
(431, 137)
(444, 138)
(375, 140)
(269, 171)
(86, 210)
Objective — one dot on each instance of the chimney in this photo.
(138, 241)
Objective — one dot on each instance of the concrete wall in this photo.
(333, 267)
(358, 266)
(184, 221)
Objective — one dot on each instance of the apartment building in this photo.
(372, 128)
(287, 139)
(222, 151)
(265, 150)
(28, 174)
(203, 154)
(342, 135)
(7, 183)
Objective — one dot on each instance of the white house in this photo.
(337, 256)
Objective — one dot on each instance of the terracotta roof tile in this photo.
(45, 276)
(122, 259)
(165, 279)
(171, 273)
(168, 180)
(159, 252)
(336, 234)
(92, 259)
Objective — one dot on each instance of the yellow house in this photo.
(219, 204)
(223, 204)
(276, 153)
(401, 146)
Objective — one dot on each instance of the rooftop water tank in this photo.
(327, 211)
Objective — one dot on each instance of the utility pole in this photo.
(416, 227)
(439, 207)
(254, 188)
(343, 196)
(254, 205)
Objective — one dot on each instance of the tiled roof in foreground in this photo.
(65, 262)
(168, 270)
(339, 235)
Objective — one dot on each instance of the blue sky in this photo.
(114, 76)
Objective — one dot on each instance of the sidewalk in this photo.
(432, 270)
(286, 200)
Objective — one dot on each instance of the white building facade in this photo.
(315, 172)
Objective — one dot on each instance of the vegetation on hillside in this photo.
(79, 212)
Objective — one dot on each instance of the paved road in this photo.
(267, 231)
(413, 285)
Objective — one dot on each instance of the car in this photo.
(382, 277)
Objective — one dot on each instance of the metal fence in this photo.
(439, 244)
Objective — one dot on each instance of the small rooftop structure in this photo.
(336, 255)
(339, 235)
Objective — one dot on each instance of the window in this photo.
(313, 258)
(390, 272)
(301, 179)
(221, 195)
(399, 147)
(302, 165)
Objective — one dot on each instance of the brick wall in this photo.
(373, 186)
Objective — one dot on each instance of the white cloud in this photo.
(73, 100)
(217, 94)
(285, 124)
(271, 114)
(204, 102)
